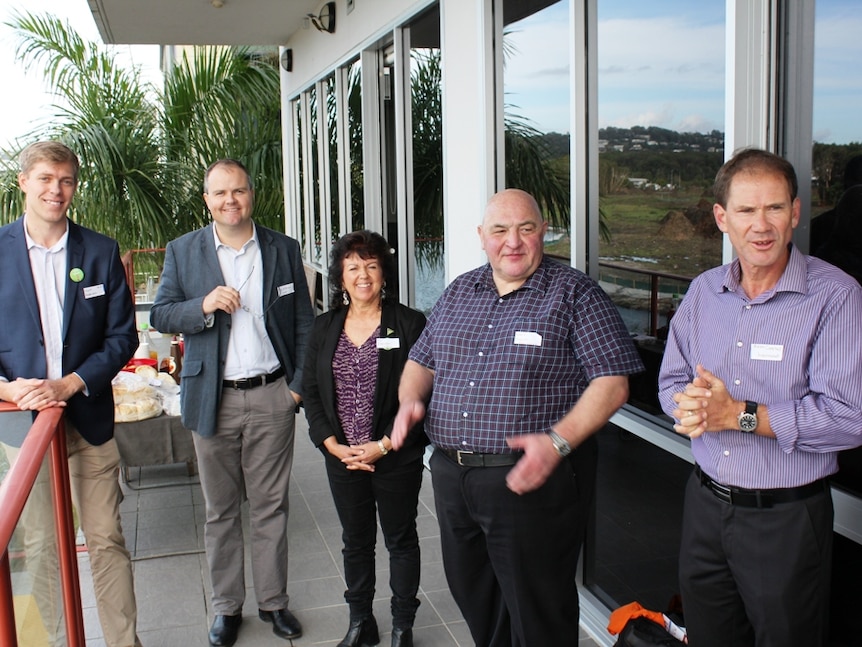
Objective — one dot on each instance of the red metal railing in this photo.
(47, 433)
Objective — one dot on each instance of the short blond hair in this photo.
(50, 151)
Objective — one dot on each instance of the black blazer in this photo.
(318, 388)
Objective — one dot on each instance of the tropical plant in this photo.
(143, 150)
(529, 164)
(107, 117)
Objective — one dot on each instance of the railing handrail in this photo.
(637, 270)
(46, 433)
(22, 473)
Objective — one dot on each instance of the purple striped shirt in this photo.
(796, 348)
(516, 364)
(354, 370)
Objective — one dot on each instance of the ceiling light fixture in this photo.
(218, 4)
(325, 20)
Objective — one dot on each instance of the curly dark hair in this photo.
(367, 244)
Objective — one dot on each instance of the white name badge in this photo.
(287, 288)
(527, 338)
(768, 352)
(94, 291)
(388, 343)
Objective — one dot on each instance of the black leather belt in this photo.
(759, 498)
(252, 382)
(473, 459)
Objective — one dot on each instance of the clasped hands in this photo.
(36, 394)
(357, 457)
(704, 405)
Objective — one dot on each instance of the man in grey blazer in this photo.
(237, 292)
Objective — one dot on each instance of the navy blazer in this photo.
(99, 333)
(190, 273)
(396, 321)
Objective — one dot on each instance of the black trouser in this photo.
(511, 560)
(752, 576)
(392, 492)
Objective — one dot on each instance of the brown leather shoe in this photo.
(284, 623)
(224, 630)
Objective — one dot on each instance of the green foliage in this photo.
(143, 151)
(427, 120)
(828, 162)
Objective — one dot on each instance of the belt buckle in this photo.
(241, 384)
(722, 492)
(458, 454)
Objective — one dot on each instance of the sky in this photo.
(661, 63)
(26, 99)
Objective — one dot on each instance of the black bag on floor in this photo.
(643, 632)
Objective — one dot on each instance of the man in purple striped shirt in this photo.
(763, 371)
(527, 358)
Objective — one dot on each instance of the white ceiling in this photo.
(198, 22)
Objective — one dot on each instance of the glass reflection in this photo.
(33, 556)
(537, 110)
(427, 153)
(354, 126)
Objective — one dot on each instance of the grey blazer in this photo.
(191, 272)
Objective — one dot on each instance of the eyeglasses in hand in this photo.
(245, 307)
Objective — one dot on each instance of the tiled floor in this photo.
(163, 522)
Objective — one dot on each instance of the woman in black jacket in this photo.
(355, 356)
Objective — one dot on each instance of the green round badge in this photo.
(77, 274)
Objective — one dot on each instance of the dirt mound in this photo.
(693, 221)
(676, 226)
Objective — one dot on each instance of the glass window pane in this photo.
(427, 149)
(536, 110)
(330, 214)
(632, 555)
(661, 141)
(837, 237)
(315, 167)
(354, 125)
(299, 188)
(837, 151)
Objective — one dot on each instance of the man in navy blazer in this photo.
(67, 326)
(237, 292)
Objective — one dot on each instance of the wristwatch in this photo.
(748, 418)
(560, 444)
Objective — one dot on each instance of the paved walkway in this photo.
(163, 520)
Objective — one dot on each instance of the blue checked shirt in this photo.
(516, 364)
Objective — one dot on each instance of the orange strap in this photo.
(619, 617)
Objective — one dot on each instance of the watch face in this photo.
(747, 422)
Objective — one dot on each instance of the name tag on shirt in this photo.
(388, 343)
(768, 352)
(527, 338)
(287, 288)
(94, 291)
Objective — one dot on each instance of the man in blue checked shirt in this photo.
(523, 360)
(763, 371)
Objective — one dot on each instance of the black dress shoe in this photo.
(284, 623)
(402, 637)
(224, 630)
(361, 633)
